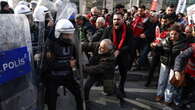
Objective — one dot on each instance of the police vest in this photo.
(138, 26)
(62, 55)
(190, 67)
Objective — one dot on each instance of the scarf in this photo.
(115, 40)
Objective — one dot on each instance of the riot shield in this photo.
(41, 15)
(39, 44)
(16, 89)
(80, 59)
(47, 3)
(65, 9)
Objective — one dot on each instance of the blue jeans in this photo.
(177, 96)
(165, 89)
(162, 81)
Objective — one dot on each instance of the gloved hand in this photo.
(37, 57)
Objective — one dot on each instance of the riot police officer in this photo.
(61, 58)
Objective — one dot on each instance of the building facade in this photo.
(128, 3)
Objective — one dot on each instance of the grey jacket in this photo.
(182, 58)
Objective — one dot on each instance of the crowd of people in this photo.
(114, 40)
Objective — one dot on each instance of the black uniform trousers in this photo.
(53, 82)
(89, 83)
(92, 79)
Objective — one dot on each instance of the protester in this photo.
(122, 38)
(5, 9)
(103, 65)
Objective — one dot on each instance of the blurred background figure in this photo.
(5, 8)
(100, 26)
(33, 5)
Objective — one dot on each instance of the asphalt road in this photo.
(138, 97)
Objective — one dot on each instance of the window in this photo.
(172, 1)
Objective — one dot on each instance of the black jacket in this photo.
(62, 51)
(170, 50)
(150, 31)
(98, 34)
(85, 32)
(191, 40)
(101, 65)
(128, 46)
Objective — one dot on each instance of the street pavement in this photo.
(138, 97)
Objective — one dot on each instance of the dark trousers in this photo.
(139, 45)
(154, 64)
(124, 62)
(143, 59)
(68, 82)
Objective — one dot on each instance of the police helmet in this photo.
(64, 26)
(22, 9)
(23, 3)
(39, 13)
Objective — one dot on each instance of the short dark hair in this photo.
(171, 6)
(125, 10)
(120, 6)
(164, 17)
(175, 27)
(142, 7)
(106, 10)
(80, 17)
(181, 14)
(135, 7)
(162, 11)
(117, 13)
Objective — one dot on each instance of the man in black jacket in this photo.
(171, 46)
(100, 26)
(184, 64)
(86, 30)
(122, 39)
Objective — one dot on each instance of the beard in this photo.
(100, 52)
(117, 26)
